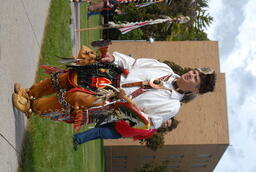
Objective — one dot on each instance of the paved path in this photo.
(75, 36)
(21, 31)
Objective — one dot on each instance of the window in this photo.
(119, 167)
(175, 156)
(116, 162)
(203, 160)
(204, 155)
(173, 166)
(198, 166)
(149, 157)
(175, 160)
(119, 157)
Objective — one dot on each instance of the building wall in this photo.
(204, 120)
(192, 158)
(184, 53)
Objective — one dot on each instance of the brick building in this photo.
(202, 136)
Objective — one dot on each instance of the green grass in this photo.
(47, 144)
(87, 22)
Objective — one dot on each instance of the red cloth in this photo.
(51, 69)
(82, 90)
(124, 129)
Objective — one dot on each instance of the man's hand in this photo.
(108, 58)
(122, 95)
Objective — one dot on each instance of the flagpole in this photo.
(127, 27)
(90, 28)
(93, 28)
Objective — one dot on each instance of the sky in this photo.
(234, 27)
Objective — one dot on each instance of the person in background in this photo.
(120, 129)
(105, 7)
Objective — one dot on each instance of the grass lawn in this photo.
(88, 36)
(48, 145)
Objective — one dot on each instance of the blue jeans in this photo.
(106, 131)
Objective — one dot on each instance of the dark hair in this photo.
(157, 140)
(188, 97)
(207, 82)
(173, 126)
(177, 68)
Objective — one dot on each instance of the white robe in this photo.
(157, 104)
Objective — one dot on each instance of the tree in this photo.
(156, 167)
(153, 167)
(183, 32)
(193, 30)
(199, 20)
(157, 140)
(154, 142)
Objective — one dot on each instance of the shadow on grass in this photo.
(26, 159)
(19, 128)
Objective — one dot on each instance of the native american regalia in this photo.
(83, 95)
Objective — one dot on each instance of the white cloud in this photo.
(241, 154)
(238, 61)
(216, 6)
(228, 16)
(251, 67)
(253, 99)
(245, 47)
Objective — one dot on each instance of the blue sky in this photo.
(234, 27)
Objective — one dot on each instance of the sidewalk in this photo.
(21, 31)
(75, 36)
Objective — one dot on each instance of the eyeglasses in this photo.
(205, 70)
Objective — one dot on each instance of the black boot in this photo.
(75, 144)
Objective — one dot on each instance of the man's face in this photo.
(189, 81)
(166, 123)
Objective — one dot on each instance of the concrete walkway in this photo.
(21, 31)
(75, 36)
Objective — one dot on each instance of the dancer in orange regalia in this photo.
(76, 89)
(86, 90)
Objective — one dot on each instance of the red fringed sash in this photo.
(124, 129)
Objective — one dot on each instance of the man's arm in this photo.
(108, 58)
(120, 59)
